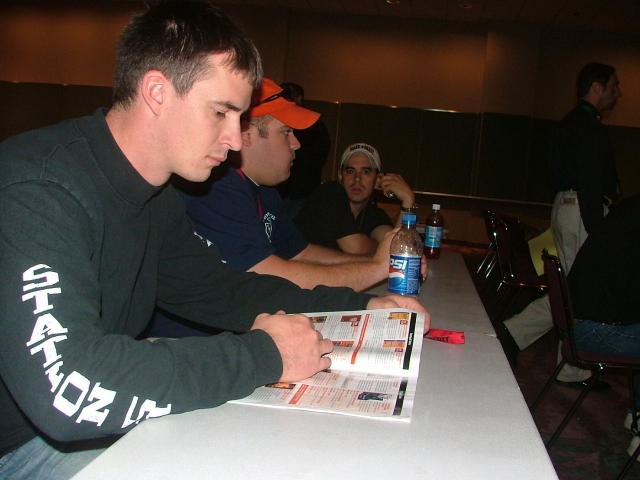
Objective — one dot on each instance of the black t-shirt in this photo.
(326, 216)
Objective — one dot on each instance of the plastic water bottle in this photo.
(433, 232)
(405, 254)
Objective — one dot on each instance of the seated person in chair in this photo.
(245, 217)
(605, 287)
(92, 238)
(343, 215)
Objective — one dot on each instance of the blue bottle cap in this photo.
(408, 218)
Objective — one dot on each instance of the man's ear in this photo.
(246, 137)
(154, 88)
(597, 87)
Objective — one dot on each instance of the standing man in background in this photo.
(586, 180)
(586, 184)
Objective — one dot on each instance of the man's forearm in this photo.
(359, 275)
(356, 275)
(327, 256)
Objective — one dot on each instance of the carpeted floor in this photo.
(593, 446)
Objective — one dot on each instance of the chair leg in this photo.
(634, 427)
(483, 271)
(483, 280)
(484, 264)
(489, 281)
(547, 386)
(573, 409)
(503, 302)
(629, 464)
(632, 401)
(490, 266)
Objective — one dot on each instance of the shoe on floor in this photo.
(635, 441)
(599, 385)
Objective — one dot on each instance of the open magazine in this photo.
(374, 367)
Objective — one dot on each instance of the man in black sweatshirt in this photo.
(92, 238)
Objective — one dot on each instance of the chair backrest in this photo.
(512, 250)
(489, 215)
(498, 232)
(560, 302)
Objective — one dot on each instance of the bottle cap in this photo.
(408, 218)
(435, 206)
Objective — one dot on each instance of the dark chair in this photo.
(488, 263)
(562, 314)
(516, 272)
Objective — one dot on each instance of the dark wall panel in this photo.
(539, 180)
(488, 155)
(329, 115)
(395, 132)
(503, 155)
(79, 100)
(447, 150)
(626, 144)
(26, 106)
(32, 105)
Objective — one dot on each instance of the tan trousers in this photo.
(568, 229)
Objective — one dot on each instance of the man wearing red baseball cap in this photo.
(244, 216)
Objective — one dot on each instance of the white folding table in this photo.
(470, 420)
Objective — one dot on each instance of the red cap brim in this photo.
(287, 112)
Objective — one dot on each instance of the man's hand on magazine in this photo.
(301, 347)
(391, 301)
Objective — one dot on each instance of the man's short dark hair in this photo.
(176, 37)
(291, 91)
(593, 72)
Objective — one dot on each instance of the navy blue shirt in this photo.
(247, 222)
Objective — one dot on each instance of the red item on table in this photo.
(446, 336)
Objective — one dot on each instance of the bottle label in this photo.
(404, 274)
(433, 237)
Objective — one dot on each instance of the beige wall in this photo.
(67, 46)
(386, 61)
(562, 53)
(511, 62)
(370, 61)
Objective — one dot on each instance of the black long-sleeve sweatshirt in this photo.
(87, 250)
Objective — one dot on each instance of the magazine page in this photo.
(385, 341)
(346, 393)
(374, 368)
